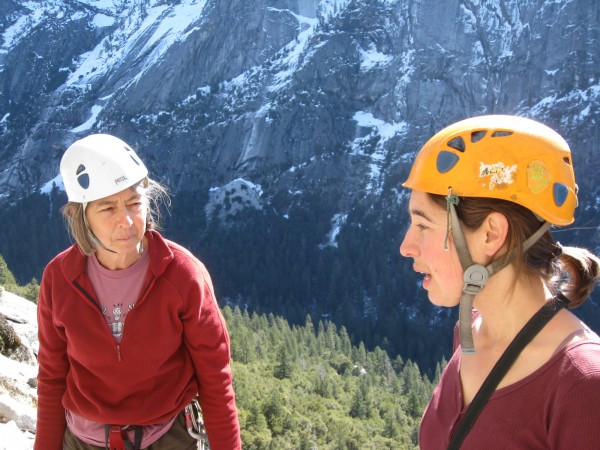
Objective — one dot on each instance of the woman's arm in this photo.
(53, 367)
(207, 340)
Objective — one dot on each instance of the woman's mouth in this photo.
(426, 278)
(126, 238)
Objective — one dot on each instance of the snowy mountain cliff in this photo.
(284, 127)
(283, 91)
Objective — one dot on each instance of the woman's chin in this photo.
(442, 301)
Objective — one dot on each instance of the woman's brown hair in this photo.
(572, 271)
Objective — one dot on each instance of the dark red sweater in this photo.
(175, 344)
(554, 408)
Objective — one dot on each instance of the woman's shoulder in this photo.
(178, 258)
(582, 357)
(70, 261)
(183, 257)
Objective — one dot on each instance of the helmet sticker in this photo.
(538, 176)
(499, 173)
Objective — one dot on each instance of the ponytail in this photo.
(571, 271)
(577, 272)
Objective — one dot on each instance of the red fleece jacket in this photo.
(175, 344)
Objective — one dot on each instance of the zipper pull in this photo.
(119, 352)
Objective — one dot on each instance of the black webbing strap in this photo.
(137, 444)
(524, 337)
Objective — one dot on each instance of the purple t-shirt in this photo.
(117, 292)
(555, 407)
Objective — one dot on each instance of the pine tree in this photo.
(30, 291)
(275, 413)
(7, 279)
(283, 367)
(361, 403)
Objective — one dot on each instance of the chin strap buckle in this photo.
(475, 277)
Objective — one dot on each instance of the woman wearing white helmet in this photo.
(129, 328)
(525, 372)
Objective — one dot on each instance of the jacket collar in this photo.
(73, 263)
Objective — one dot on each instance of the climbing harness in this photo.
(116, 437)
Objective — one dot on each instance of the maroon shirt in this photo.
(555, 407)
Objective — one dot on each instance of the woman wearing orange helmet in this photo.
(525, 372)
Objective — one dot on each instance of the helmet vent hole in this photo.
(501, 133)
(476, 136)
(561, 192)
(567, 160)
(84, 180)
(457, 144)
(446, 161)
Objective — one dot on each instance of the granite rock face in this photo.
(278, 106)
(211, 91)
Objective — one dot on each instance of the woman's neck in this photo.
(119, 261)
(504, 308)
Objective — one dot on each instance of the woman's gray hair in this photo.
(74, 214)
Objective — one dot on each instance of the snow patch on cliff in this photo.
(236, 196)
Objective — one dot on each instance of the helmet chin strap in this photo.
(476, 276)
(98, 243)
(91, 234)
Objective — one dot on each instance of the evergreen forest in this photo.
(308, 387)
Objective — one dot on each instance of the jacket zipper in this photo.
(93, 301)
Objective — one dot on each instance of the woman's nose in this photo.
(407, 248)
(124, 218)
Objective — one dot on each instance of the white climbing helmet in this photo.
(98, 166)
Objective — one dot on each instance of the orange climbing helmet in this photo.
(503, 157)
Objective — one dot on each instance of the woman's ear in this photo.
(495, 227)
